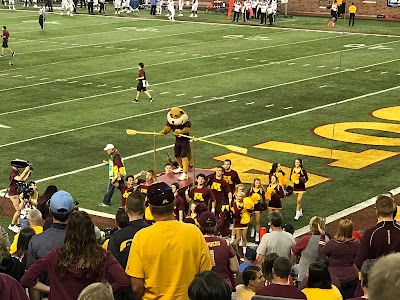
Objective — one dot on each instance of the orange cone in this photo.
(331, 24)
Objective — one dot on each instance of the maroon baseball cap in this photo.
(160, 194)
(207, 219)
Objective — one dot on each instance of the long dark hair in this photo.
(81, 248)
(24, 237)
(267, 265)
(319, 277)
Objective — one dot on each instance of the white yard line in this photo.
(344, 213)
(288, 107)
(269, 105)
(250, 103)
(214, 99)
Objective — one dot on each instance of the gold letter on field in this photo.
(341, 159)
(249, 168)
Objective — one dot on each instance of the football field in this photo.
(330, 98)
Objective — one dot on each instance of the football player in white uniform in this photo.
(64, 4)
(180, 7)
(159, 7)
(70, 8)
(11, 4)
(171, 8)
(117, 6)
(195, 5)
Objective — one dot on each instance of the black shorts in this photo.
(140, 87)
(5, 44)
(182, 148)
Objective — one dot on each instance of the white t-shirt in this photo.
(279, 242)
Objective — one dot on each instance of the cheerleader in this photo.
(276, 170)
(239, 188)
(241, 220)
(274, 194)
(299, 177)
(257, 188)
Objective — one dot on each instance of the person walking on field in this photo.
(352, 12)
(142, 84)
(42, 16)
(5, 35)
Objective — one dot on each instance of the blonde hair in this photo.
(344, 232)
(97, 291)
(314, 222)
(237, 187)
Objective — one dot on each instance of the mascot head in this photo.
(177, 116)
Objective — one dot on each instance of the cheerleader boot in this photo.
(298, 215)
(257, 239)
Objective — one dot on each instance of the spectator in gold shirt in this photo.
(352, 12)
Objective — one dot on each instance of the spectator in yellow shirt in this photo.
(165, 257)
(352, 11)
(35, 222)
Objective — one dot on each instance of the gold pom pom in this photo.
(248, 203)
(281, 179)
(268, 193)
(295, 178)
(255, 197)
(245, 217)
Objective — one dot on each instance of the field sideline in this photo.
(73, 89)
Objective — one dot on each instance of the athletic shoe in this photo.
(183, 176)
(298, 215)
(14, 228)
(191, 16)
(179, 170)
(151, 100)
(195, 16)
(180, 15)
(104, 205)
(252, 232)
(135, 101)
(13, 54)
(257, 239)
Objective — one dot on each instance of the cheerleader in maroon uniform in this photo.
(257, 188)
(276, 170)
(239, 188)
(299, 177)
(241, 220)
(274, 194)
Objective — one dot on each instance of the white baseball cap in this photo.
(109, 147)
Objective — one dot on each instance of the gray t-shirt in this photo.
(279, 242)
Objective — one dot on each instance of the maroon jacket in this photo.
(69, 286)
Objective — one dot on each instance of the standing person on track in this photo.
(352, 12)
(42, 16)
(142, 84)
(299, 177)
(5, 35)
(180, 8)
(195, 5)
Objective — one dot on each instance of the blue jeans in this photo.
(109, 193)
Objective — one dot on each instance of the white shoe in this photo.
(298, 215)
(252, 232)
(257, 239)
(183, 176)
(103, 205)
(240, 243)
(179, 170)
(191, 16)
(195, 16)
(180, 15)
(14, 228)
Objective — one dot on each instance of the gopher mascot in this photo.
(178, 122)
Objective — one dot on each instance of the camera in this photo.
(21, 164)
(23, 187)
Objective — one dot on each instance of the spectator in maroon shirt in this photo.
(179, 209)
(78, 263)
(230, 176)
(381, 239)
(225, 261)
(127, 189)
(201, 194)
(220, 189)
(383, 281)
(365, 273)
(11, 289)
(281, 286)
(342, 251)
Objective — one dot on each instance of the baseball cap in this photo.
(207, 219)
(61, 203)
(251, 254)
(109, 147)
(160, 194)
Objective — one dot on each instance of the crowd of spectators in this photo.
(170, 257)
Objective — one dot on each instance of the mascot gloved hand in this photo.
(178, 122)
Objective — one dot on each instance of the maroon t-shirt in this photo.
(203, 194)
(179, 127)
(13, 190)
(280, 290)
(221, 252)
(232, 178)
(5, 35)
(179, 205)
(125, 192)
(220, 189)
